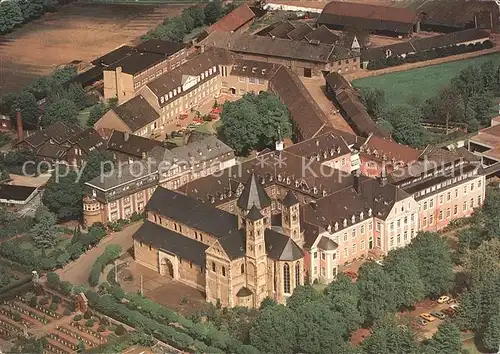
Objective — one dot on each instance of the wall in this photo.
(242, 85)
(110, 120)
(146, 256)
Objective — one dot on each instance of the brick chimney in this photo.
(19, 123)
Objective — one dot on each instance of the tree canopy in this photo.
(405, 122)
(255, 121)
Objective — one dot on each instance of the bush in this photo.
(56, 299)
(89, 323)
(77, 318)
(87, 315)
(33, 301)
(72, 306)
(120, 330)
(54, 306)
(65, 287)
(101, 328)
(111, 253)
(44, 301)
(67, 312)
(136, 216)
(17, 317)
(53, 280)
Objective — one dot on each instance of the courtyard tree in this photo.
(302, 295)
(319, 329)
(389, 337)
(255, 121)
(406, 123)
(27, 104)
(63, 196)
(274, 331)
(64, 111)
(45, 234)
(76, 94)
(377, 292)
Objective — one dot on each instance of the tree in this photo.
(469, 84)
(255, 121)
(373, 99)
(434, 262)
(491, 336)
(44, 234)
(53, 280)
(377, 292)
(64, 111)
(302, 295)
(27, 104)
(274, 330)
(267, 302)
(489, 216)
(445, 341)
(81, 347)
(63, 196)
(402, 266)
(76, 94)
(197, 14)
(443, 107)
(213, 11)
(389, 337)
(342, 296)
(10, 16)
(406, 122)
(319, 329)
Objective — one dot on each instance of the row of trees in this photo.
(62, 101)
(254, 122)
(111, 253)
(322, 323)
(467, 99)
(434, 53)
(14, 13)
(176, 28)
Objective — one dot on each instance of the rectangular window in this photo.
(346, 252)
(323, 256)
(399, 223)
(431, 219)
(471, 187)
(354, 248)
(392, 226)
(448, 212)
(479, 201)
(456, 192)
(455, 209)
(362, 245)
(424, 222)
(465, 189)
(425, 205)
(412, 217)
(398, 239)
(441, 199)
(440, 215)
(412, 234)
(479, 184)
(353, 232)
(315, 255)
(378, 226)
(392, 242)
(464, 207)
(472, 203)
(362, 229)
(345, 236)
(370, 226)
(323, 271)
(431, 203)
(448, 196)
(405, 235)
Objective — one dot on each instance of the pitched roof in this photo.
(301, 30)
(158, 46)
(337, 82)
(367, 16)
(13, 192)
(89, 140)
(256, 69)
(131, 144)
(59, 132)
(282, 30)
(281, 247)
(290, 199)
(322, 34)
(233, 20)
(376, 146)
(327, 244)
(254, 214)
(172, 242)
(137, 62)
(126, 173)
(254, 194)
(136, 113)
(114, 56)
(244, 292)
(202, 150)
(193, 213)
(304, 111)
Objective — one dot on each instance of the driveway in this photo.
(77, 272)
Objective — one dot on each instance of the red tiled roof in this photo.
(233, 20)
(390, 149)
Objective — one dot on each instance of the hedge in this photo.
(434, 53)
(111, 253)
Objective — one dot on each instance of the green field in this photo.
(420, 83)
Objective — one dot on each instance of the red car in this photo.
(351, 275)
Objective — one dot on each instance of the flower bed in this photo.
(88, 331)
(63, 341)
(20, 309)
(77, 336)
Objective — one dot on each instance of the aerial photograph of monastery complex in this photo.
(240, 177)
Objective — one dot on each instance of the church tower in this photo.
(254, 194)
(290, 218)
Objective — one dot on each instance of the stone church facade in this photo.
(236, 259)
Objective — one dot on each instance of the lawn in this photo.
(420, 83)
(83, 116)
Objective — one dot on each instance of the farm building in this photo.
(383, 20)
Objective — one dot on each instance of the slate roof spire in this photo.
(290, 199)
(254, 194)
(254, 214)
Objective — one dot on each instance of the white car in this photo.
(379, 262)
(443, 299)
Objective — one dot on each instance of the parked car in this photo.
(421, 321)
(350, 274)
(439, 315)
(448, 312)
(380, 262)
(427, 317)
(454, 307)
(443, 299)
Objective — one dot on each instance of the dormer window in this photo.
(206, 73)
(210, 71)
(214, 68)
(175, 92)
(353, 219)
(162, 100)
(202, 76)
(345, 222)
(288, 180)
(329, 228)
(170, 94)
(315, 190)
(324, 193)
(336, 226)
(361, 215)
(296, 183)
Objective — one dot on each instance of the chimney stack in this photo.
(357, 181)
(126, 135)
(383, 177)
(19, 123)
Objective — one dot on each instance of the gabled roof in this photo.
(131, 144)
(59, 132)
(322, 34)
(281, 247)
(193, 213)
(254, 214)
(254, 194)
(244, 292)
(171, 242)
(233, 20)
(327, 244)
(136, 113)
(13, 192)
(379, 148)
(301, 30)
(89, 140)
(53, 151)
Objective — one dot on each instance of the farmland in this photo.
(420, 83)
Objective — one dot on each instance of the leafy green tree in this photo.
(443, 108)
(434, 262)
(197, 14)
(389, 337)
(27, 104)
(64, 111)
(403, 267)
(445, 341)
(53, 280)
(267, 302)
(44, 234)
(213, 11)
(10, 16)
(489, 215)
(377, 292)
(274, 331)
(60, 76)
(63, 196)
(319, 329)
(188, 20)
(469, 84)
(491, 336)
(76, 94)
(302, 295)
(342, 296)
(406, 123)
(255, 121)
(373, 99)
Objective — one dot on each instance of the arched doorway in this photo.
(232, 91)
(167, 268)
